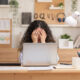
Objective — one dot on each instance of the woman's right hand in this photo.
(35, 36)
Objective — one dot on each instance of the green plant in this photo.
(65, 36)
(70, 39)
(14, 3)
(61, 4)
(14, 10)
(74, 5)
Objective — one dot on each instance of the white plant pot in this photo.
(70, 44)
(63, 43)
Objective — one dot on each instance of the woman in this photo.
(37, 32)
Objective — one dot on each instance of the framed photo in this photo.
(4, 24)
(26, 18)
(4, 37)
(3, 2)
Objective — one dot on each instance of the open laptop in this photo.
(39, 54)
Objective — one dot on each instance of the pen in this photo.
(54, 67)
(65, 64)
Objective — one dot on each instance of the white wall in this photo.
(28, 6)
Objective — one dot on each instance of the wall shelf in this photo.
(4, 30)
(4, 6)
(55, 26)
(44, 0)
(42, 9)
(62, 26)
(56, 8)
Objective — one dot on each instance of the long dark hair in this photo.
(34, 25)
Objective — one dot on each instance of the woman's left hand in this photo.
(43, 36)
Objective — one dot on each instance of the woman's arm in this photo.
(57, 58)
(20, 57)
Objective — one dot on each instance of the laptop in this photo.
(39, 54)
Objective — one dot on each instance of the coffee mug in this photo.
(76, 62)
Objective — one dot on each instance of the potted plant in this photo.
(70, 43)
(61, 5)
(14, 3)
(14, 10)
(74, 5)
(63, 41)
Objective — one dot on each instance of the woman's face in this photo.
(39, 30)
(39, 34)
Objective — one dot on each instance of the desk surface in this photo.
(19, 69)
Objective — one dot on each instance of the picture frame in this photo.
(26, 18)
(4, 2)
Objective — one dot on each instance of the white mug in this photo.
(76, 62)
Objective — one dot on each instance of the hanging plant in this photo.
(14, 9)
(14, 3)
(74, 5)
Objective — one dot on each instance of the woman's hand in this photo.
(35, 36)
(43, 36)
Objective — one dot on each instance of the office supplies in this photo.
(40, 68)
(65, 64)
(25, 68)
(60, 66)
(39, 54)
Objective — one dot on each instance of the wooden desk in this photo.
(11, 55)
(56, 74)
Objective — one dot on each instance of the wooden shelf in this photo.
(70, 49)
(44, 0)
(56, 8)
(55, 26)
(4, 30)
(4, 6)
(42, 9)
(65, 55)
(9, 55)
(62, 26)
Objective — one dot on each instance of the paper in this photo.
(4, 37)
(40, 68)
(5, 24)
(26, 68)
(60, 66)
(12, 68)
